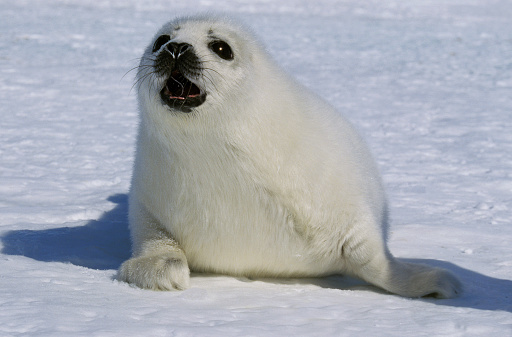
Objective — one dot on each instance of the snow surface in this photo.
(428, 83)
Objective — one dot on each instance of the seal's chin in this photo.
(181, 94)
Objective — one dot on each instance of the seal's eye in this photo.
(222, 49)
(162, 39)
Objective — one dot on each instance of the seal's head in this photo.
(193, 62)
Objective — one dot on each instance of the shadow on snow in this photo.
(100, 244)
(104, 244)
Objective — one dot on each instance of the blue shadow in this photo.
(100, 244)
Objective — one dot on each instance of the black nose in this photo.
(177, 49)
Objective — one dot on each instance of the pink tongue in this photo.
(178, 87)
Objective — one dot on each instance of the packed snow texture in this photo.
(428, 83)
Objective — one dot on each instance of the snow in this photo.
(428, 83)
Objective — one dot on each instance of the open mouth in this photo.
(181, 94)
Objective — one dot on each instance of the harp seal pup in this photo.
(240, 170)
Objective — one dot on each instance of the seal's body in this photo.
(240, 170)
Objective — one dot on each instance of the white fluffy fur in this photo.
(264, 179)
